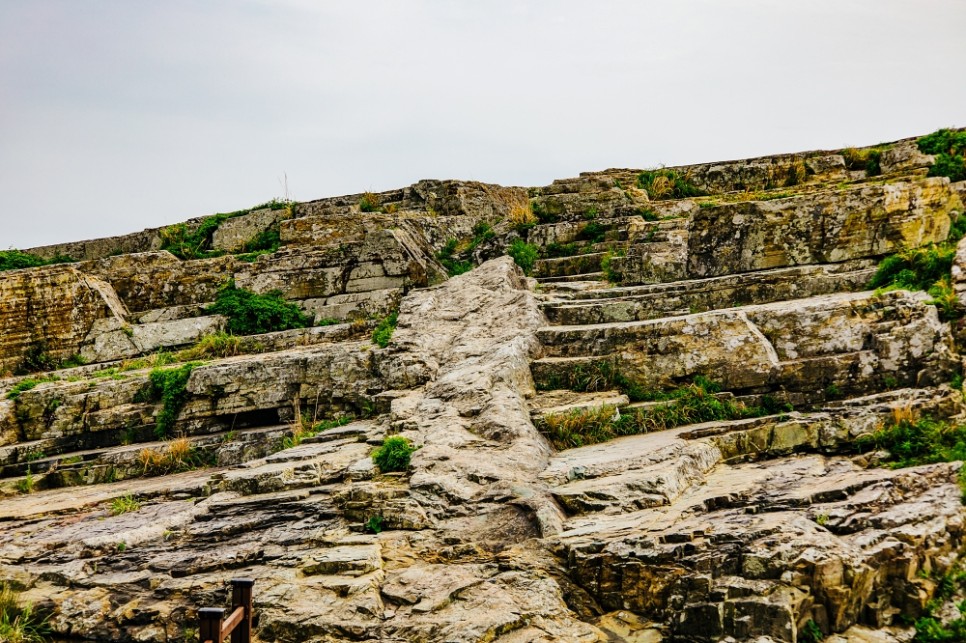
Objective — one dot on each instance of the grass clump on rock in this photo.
(20, 623)
(383, 332)
(692, 404)
(394, 454)
(668, 184)
(249, 313)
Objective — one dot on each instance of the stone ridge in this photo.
(660, 433)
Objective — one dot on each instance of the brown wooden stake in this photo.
(210, 620)
(241, 596)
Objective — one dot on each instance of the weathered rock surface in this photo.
(759, 529)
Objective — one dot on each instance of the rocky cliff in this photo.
(702, 403)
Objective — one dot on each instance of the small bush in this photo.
(252, 314)
(811, 632)
(611, 273)
(168, 386)
(950, 166)
(178, 456)
(17, 259)
(668, 184)
(124, 504)
(457, 256)
(944, 141)
(265, 242)
(915, 268)
(194, 242)
(394, 454)
(383, 332)
(374, 524)
(370, 203)
(524, 254)
(949, 148)
(593, 232)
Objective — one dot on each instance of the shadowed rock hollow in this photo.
(673, 428)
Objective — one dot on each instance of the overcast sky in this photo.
(116, 115)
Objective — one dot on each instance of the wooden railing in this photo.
(214, 627)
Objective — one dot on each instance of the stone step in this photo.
(123, 462)
(567, 266)
(819, 348)
(639, 303)
(588, 276)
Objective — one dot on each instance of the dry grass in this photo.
(219, 344)
(521, 213)
(904, 412)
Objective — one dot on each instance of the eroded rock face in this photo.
(768, 524)
(51, 310)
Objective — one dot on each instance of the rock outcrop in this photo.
(669, 430)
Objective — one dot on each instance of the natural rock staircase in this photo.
(744, 528)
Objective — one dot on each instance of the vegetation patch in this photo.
(179, 455)
(524, 254)
(387, 326)
(194, 241)
(220, 344)
(300, 431)
(867, 159)
(28, 384)
(457, 256)
(16, 259)
(692, 404)
(252, 314)
(914, 442)
(20, 623)
(266, 242)
(394, 454)
(124, 504)
(611, 272)
(168, 386)
(927, 268)
(949, 148)
(668, 184)
(370, 202)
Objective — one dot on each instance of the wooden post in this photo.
(241, 596)
(210, 621)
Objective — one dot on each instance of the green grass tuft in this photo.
(17, 259)
(668, 184)
(20, 623)
(394, 454)
(382, 334)
(167, 386)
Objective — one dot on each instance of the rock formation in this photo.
(668, 430)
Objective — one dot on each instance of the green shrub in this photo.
(811, 632)
(944, 141)
(915, 268)
(394, 454)
(524, 254)
(554, 250)
(545, 213)
(252, 314)
(16, 259)
(167, 386)
(448, 257)
(949, 148)
(374, 524)
(668, 184)
(383, 332)
(593, 232)
(950, 166)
